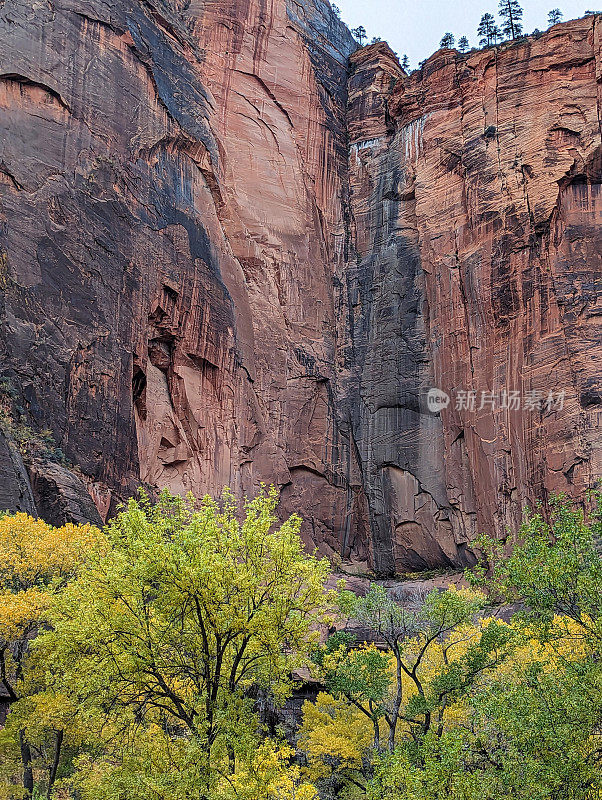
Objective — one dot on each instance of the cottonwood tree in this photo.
(532, 728)
(511, 13)
(378, 681)
(37, 561)
(431, 655)
(556, 572)
(335, 740)
(165, 642)
(361, 675)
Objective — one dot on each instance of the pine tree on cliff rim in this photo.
(359, 34)
(511, 14)
(488, 31)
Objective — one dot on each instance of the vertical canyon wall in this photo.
(477, 208)
(234, 248)
(173, 201)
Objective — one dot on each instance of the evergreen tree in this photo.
(447, 41)
(360, 34)
(555, 16)
(511, 14)
(336, 11)
(463, 44)
(488, 31)
(405, 63)
(375, 39)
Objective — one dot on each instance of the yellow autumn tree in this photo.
(37, 561)
(336, 738)
(267, 775)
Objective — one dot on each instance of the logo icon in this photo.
(437, 400)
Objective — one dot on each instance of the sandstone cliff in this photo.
(232, 249)
(477, 211)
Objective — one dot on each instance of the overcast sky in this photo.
(415, 27)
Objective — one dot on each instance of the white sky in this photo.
(415, 27)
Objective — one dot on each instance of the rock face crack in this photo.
(6, 176)
(29, 83)
(271, 95)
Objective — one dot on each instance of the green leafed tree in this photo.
(405, 63)
(431, 653)
(463, 44)
(166, 641)
(532, 728)
(556, 571)
(552, 714)
(413, 631)
(554, 16)
(447, 40)
(361, 675)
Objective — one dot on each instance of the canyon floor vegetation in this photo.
(152, 660)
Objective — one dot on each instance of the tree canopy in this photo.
(153, 660)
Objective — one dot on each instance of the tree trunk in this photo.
(58, 744)
(27, 768)
(376, 735)
(398, 701)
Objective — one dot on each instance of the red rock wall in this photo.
(173, 202)
(228, 255)
(477, 206)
